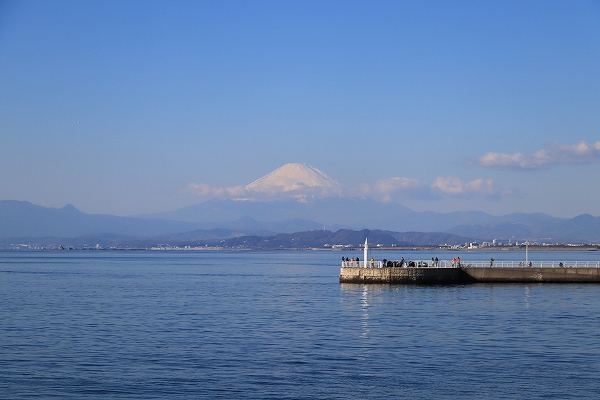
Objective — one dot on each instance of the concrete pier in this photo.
(463, 275)
(527, 274)
(428, 276)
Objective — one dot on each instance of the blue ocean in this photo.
(279, 325)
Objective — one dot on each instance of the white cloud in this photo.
(384, 190)
(387, 189)
(555, 154)
(451, 186)
(396, 184)
(204, 190)
(399, 188)
(300, 193)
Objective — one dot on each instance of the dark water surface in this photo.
(188, 325)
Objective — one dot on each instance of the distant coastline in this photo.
(556, 248)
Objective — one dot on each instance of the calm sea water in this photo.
(190, 325)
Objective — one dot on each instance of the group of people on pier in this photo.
(355, 262)
(346, 261)
(454, 263)
(435, 262)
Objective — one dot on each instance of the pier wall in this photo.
(430, 276)
(558, 275)
(462, 275)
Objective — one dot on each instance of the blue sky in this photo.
(122, 107)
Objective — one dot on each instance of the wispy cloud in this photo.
(398, 188)
(451, 186)
(384, 190)
(204, 190)
(270, 193)
(554, 154)
(393, 189)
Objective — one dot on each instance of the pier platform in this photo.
(468, 274)
(444, 272)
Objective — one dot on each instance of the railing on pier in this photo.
(363, 264)
(532, 264)
(380, 264)
(476, 264)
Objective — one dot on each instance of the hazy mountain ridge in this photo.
(348, 212)
(582, 228)
(23, 219)
(364, 214)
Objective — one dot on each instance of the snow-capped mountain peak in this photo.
(298, 180)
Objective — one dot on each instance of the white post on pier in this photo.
(366, 253)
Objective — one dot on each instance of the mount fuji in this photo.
(299, 181)
(294, 176)
(301, 193)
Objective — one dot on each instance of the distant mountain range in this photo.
(23, 222)
(21, 218)
(293, 198)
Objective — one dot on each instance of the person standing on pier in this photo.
(491, 262)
